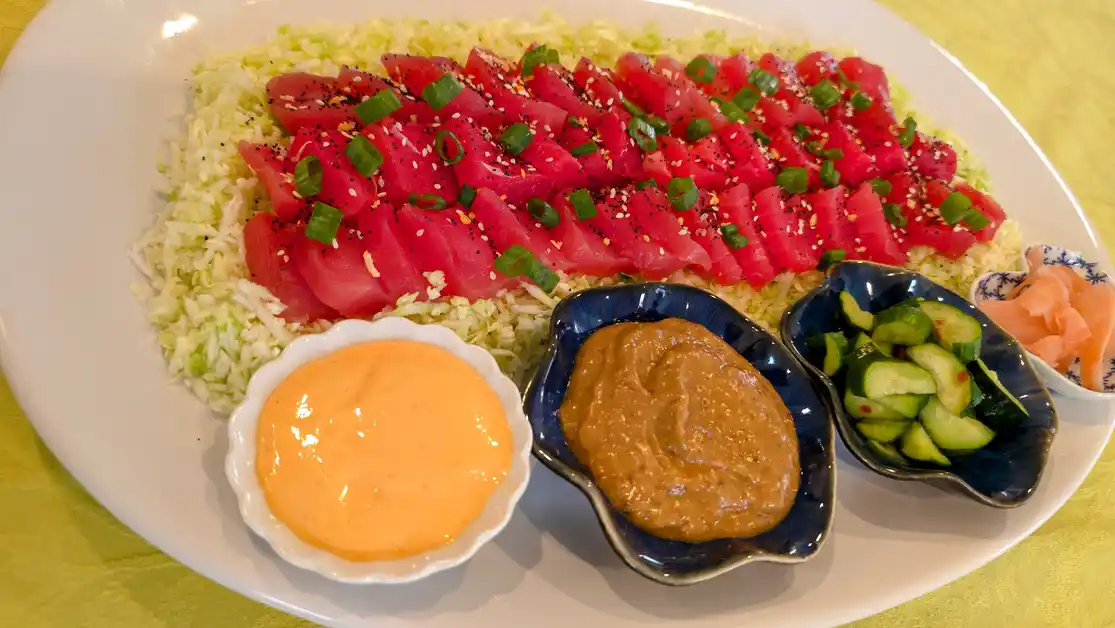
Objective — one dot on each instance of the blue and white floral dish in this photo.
(997, 286)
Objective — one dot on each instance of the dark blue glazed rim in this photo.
(797, 538)
(1006, 472)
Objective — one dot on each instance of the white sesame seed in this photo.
(336, 244)
(352, 192)
(419, 233)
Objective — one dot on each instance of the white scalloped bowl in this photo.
(241, 471)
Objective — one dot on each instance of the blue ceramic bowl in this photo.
(1006, 472)
(796, 538)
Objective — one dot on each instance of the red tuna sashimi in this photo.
(486, 165)
(790, 97)
(789, 152)
(553, 83)
(731, 76)
(924, 226)
(274, 172)
(550, 160)
(882, 145)
(874, 238)
(832, 228)
(783, 232)
(736, 208)
(618, 230)
(753, 165)
(854, 165)
(594, 167)
(418, 72)
(702, 223)
(361, 86)
(987, 206)
(931, 157)
(624, 158)
(341, 185)
(582, 246)
(497, 77)
(339, 276)
(442, 241)
(815, 67)
(598, 85)
(386, 255)
(673, 98)
(709, 170)
(675, 70)
(410, 163)
(300, 100)
(268, 245)
(868, 77)
(905, 192)
(506, 227)
(657, 218)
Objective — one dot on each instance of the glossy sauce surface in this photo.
(680, 432)
(382, 450)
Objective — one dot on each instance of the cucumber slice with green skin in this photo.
(954, 330)
(977, 394)
(903, 324)
(954, 386)
(917, 445)
(882, 431)
(863, 339)
(998, 408)
(854, 313)
(864, 408)
(885, 347)
(887, 453)
(874, 375)
(949, 431)
(907, 405)
(836, 345)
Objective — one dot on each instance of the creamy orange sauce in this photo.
(381, 450)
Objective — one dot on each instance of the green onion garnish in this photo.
(682, 192)
(761, 137)
(975, 220)
(574, 122)
(833, 153)
(830, 257)
(701, 70)
(661, 127)
(514, 261)
(543, 212)
(763, 81)
(378, 107)
(909, 132)
(443, 139)
(830, 178)
(466, 196)
(632, 108)
(894, 214)
(643, 133)
(882, 187)
(365, 157)
(825, 94)
(746, 98)
(587, 148)
(861, 101)
(442, 91)
(543, 277)
(625, 277)
(535, 56)
(429, 202)
(307, 176)
(955, 207)
(698, 128)
(649, 183)
(516, 138)
(801, 131)
(732, 237)
(731, 110)
(793, 180)
(847, 81)
(582, 203)
(323, 223)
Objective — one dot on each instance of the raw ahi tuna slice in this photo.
(386, 256)
(868, 77)
(497, 76)
(731, 75)
(681, 161)
(300, 100)
(673, 98)
(702, 224)
(594, 168)
(418, 72)
(621, 154)
(624, 234)
(815, 67)
(506, 227)
(789, 152)
(362, 86)
(341, 185)
(987, 206)
(854, 165)
(874, 239)
(553, 83)
(552, 161)
(833, 229)
(598, 86)
(882, 145)
(268, 246)
(791, 96)
(582, 245)
(339, 276)
(662, 224)
(275, 173)
(702, 107)
(736, 209)
(411, 165)
(924, 226)
(784, 233)
(754, 164)
(905, 194)
(930, 157)
(487, 165)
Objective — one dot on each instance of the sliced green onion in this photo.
(514, 261)
(625, 278)
(429, 202)
(830, 257)
(732, 237)
(543, 212)
(535, 56)
(847, 81)
(441, 145)
(582, 203)
(543, 277)
(574, 122)
(323, 223)
(467, 196)
(746, 98)
(649, 183)
(909, 132)
(587, 148)
(698, 128)
(763, 81)
(731, 110)
(661, 127)
(975, 220)
(833, 153)
(632, 108)
(830, 178)
(442, 91)
(894, 214)
(643, 133)
(701, 70)
(682, 192)
(882, 187)
(861, 101)
(825, 95)
(307, 176)
(954, 208)
(378, 107)
(801, 131)
(761, 137)
(793, 180)
(815, 147)
(516, 138)
(365, 157)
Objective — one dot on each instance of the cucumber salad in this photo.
(914, 383)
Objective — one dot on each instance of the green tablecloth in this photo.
(65, 561)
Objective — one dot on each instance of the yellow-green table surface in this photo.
(65, 561)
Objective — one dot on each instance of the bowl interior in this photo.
(1006, 472)
(799, 535)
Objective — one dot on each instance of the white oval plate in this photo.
(85, 102)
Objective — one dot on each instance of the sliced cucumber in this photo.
(917, 445)
(864, 408)
(903, 324)
(998, 408)
(854, 313)
(977, 394)
(950, 431)
(873, 375)
(954, 330)
(953, 382)
(882, 431)
(907, 405)
(836, 345)
(863, 340)
(887, 453)
(885, 347)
